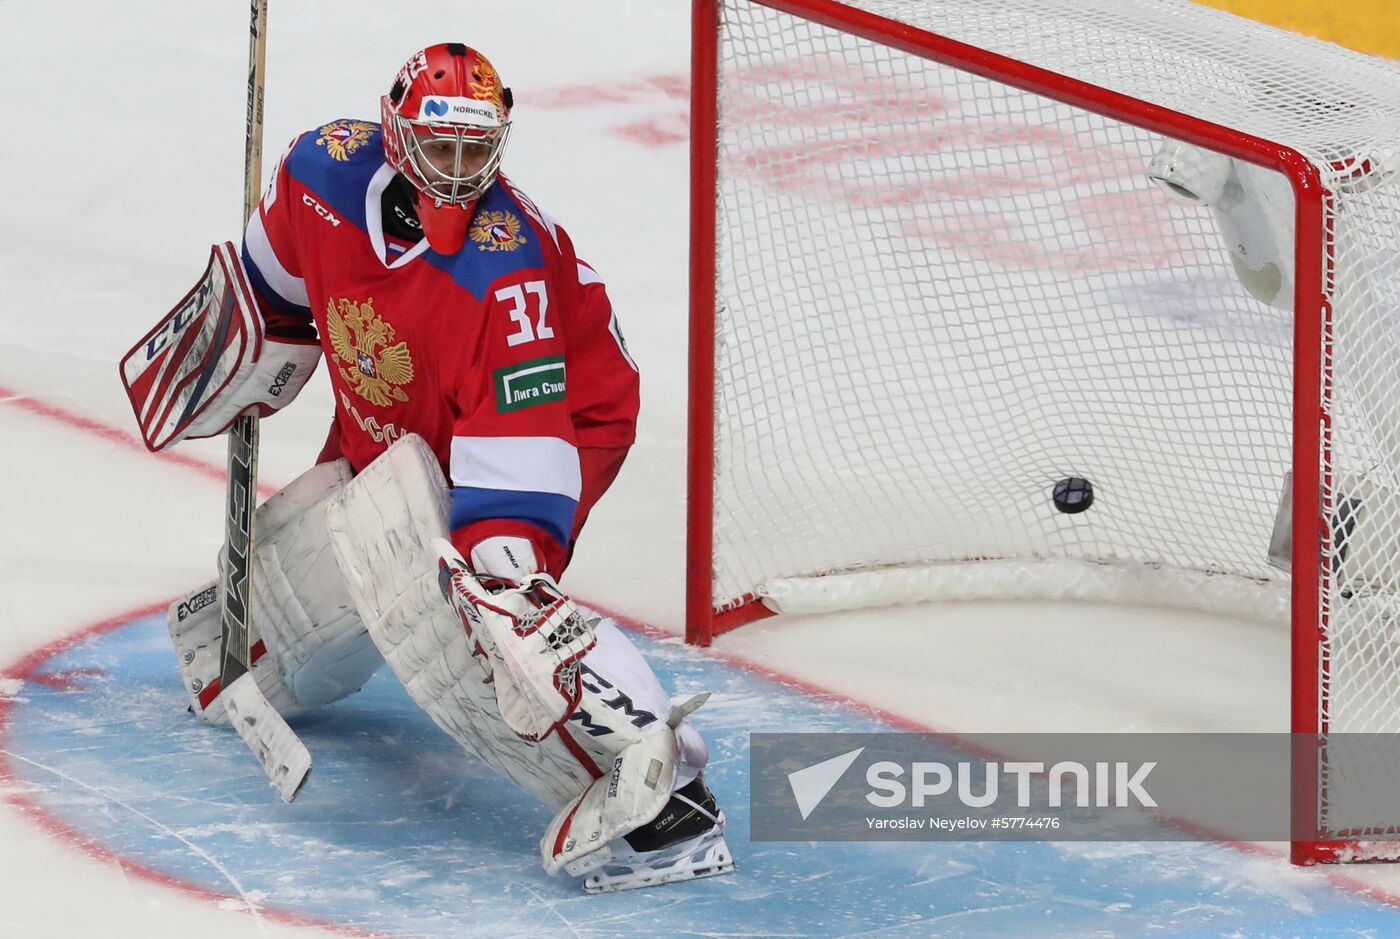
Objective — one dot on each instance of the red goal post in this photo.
(871, 47)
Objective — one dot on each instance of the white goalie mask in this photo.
(450, 165)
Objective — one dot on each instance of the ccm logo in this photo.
(321, 210)
(175, 324)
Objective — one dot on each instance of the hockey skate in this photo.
(685, 842)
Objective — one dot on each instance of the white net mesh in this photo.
(938, 295)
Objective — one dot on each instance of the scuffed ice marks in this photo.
(402, 833)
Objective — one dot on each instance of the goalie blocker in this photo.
(209, 360)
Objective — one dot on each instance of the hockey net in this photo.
(932, 278)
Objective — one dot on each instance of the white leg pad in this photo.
(636, 789)
(610, 767)
(314, 636)
(317, 648)
(380, 527)
(195, 630)
(628, 719)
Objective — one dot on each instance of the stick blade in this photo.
(283, 756)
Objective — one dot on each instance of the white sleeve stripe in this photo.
(517, 464)
(587, 275)
(550, 224)
(289, 288)
(615, 331)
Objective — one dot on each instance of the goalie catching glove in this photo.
(529, 637)
(209, 360)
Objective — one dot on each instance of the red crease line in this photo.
(116, 435)
(29, 806)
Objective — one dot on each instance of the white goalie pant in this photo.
(317, 648)
(381, 527)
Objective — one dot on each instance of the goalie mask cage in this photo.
(930, 278)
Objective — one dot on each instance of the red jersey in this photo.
(505, 357)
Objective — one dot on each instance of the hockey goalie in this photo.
(485, 400)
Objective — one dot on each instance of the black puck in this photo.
(1073, 495)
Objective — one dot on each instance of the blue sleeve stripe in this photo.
(265, 291)
(546, 510)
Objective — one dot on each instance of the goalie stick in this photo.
(283, 756)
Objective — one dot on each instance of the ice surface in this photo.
(400, 833)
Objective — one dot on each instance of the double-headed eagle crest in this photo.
(361, 340)
(342, 138)
(494, 230)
